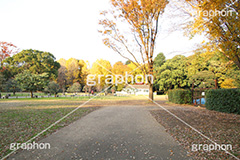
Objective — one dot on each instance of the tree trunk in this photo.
(31, 94)
(55, 95)
(150, 81)
(151, 91)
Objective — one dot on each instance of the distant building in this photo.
(137, 89)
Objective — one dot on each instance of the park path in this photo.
(117, 132)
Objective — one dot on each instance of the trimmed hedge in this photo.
(223, 100)
(180, 96)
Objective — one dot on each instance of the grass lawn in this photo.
(21, 119)
(223, 128)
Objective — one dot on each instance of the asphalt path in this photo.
(114, 132)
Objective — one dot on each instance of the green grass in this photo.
(20, 121)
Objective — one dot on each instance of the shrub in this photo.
(223, 100)
(180, 96)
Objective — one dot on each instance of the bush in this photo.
(180, 96)
(223, 100)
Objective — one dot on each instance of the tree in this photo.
(221, 29)
(204, 79)
(142, 20)
(228, 83)
(234, 74)
(73, 73)
(101, 68)
(86, 88)
(84, 71)
(52, 88)
(159, 60)
(172, 74)
(2, 81)
(62, 62)
(6, 50)
(62, 78)
(37, 62)
(119, 69)
(31, 82)
(214, 62)
(76, 87)
(196, 63)
(12, 86)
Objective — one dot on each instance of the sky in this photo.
(69, 28)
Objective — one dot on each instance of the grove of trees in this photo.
(200, 69)
(33, 70)
(130, 28)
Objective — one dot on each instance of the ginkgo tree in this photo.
(131, 29)
(219, 22)
(100, 70)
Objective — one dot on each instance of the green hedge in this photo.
(223, 100)
(180, 96)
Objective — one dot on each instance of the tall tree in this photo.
(221, 28)
(142, 19)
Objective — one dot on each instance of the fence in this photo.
(199, 96)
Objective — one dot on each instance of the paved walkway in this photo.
(127, 132)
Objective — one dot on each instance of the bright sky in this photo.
(68, 28)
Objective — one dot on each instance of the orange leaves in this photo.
(6, 50)
(213, 19)
(131, 28)
(106, 42)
